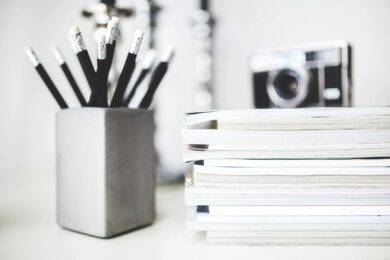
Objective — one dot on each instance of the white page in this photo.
(193, 155)
(298, 163)
(200, 169)
(270, 138)
(297, 210)
(207, 218)
(286, 190)
(261, 115)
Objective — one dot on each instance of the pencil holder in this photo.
(105, 170)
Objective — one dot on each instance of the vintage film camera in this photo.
(304, 76)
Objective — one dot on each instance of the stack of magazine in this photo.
(318, 176)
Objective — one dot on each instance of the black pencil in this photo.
(102, 65)
(112, 34)
(156, 78)
(146, 66)
(100, 70)
(45, 77)
(86, 65)
(127, 71)
(68, 74)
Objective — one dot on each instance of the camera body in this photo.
(303, 76)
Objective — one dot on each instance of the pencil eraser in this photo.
(115, 19)
(74, 30)
(149, 59)
(167, 55)
(136, 44)
(57, 55)
(31, 56)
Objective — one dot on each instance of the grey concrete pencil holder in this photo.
(105, 170)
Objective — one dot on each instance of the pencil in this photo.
(101, 67)
(45, 77)
(68, 74)
(86, 64)
(146, 67)
(156, 78)
(112, 34)
(127, 71)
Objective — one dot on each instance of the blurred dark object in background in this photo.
(101, 12)
(204, 22)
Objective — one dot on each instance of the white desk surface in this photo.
(28, 231)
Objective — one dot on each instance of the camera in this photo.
(304, 76)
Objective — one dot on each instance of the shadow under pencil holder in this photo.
(105, 170)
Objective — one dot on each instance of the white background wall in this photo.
(27, 111)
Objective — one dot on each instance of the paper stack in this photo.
(289, 176)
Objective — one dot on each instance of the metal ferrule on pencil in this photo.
(78, 39)
(101, 47)
(136, 44)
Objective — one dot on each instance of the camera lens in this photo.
(286, 84)
(288, 87)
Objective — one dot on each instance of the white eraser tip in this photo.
(27, 50)
(115, 19)
(168, 54)
(100, 38)
(74, 30)
(138, 34)
(31, 55)
(57, 55)
(149, 59)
